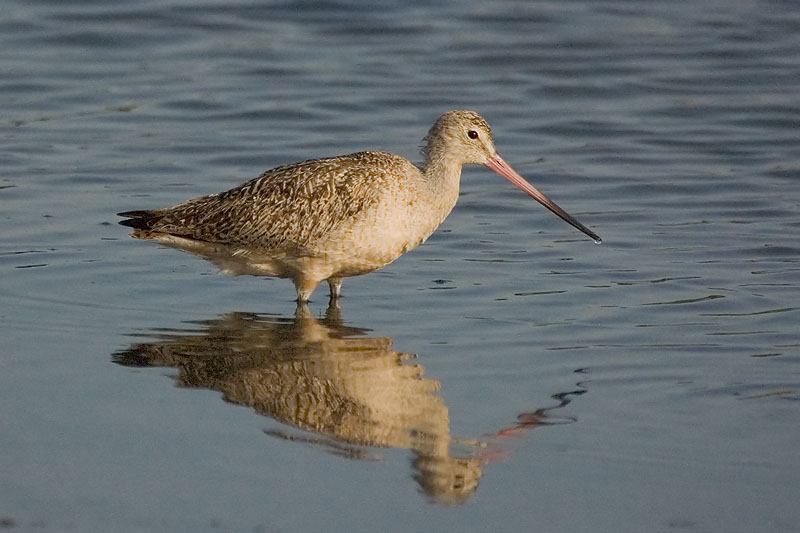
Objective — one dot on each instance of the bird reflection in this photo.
(354, 393)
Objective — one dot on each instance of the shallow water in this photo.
(649, 383)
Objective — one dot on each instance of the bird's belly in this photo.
(331, 258)
(372, 242)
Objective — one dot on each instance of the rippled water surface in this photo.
(508, 375)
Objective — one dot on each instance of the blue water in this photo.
(508, 375)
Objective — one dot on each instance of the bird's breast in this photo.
(396, 224)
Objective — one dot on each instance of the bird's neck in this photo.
(442, 179)
(443, 174)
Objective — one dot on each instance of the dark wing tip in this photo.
(137, 219)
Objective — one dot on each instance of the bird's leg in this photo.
(336, 288)
(304, 289)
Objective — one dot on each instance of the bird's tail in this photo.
(138, 219)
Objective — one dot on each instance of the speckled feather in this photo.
(288, 206)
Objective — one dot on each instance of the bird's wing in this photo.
(288, 206)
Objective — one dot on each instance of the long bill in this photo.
(504, 169)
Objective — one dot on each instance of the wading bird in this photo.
(331, 218)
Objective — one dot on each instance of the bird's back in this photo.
(286, 207)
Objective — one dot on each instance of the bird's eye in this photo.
(472, 134)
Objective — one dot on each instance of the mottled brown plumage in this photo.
(325, 219)
(283, 206)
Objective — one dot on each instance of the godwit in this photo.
(330, 218)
